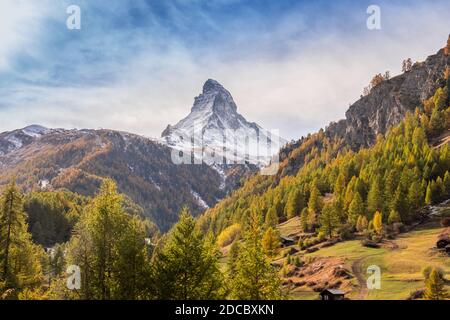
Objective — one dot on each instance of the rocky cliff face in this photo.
(387, 103)
(385, 106)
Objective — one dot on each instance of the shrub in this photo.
(297, 262)
(345, 232)
(321, 236)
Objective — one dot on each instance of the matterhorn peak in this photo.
(212, 86)
(214, 119)
(214, 98)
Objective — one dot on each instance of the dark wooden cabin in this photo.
(286, 241)
(332, 294)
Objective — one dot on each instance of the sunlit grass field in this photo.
(401, 268)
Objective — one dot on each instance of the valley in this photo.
(370, 191)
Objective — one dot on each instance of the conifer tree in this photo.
(374, 197)
(133, 265)
(312, 220)
(339, 186)
(255, 279)
(378, 222)
(349, 193)
(20, 266)
(361, 187)
(293, 204)
(356, 209)
(271, 217)
(400, 202)
(435, 286)
(394, 217)
(233, 257)
(315, 205)
(271, 242)
(109, 246)
(187, 267)
(429, 195)
(329, 220)
(415, 195)
(304, 220)
(315, 201)
(436, 122)
(440, 189)
(447, 183)
(362, 224)
(105, 221)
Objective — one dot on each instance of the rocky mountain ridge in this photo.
(388, 102)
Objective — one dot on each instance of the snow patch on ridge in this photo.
(199, 199)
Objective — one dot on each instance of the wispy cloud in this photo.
(136, 65)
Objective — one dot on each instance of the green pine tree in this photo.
(293, 204)
(394, 217)
(20, 266)
(271, 217)
(374, 197)
(356, 209)
(429, 195)
(304, 220)
(109, 246)
(329, 220)
(187, 268)
(255, 278)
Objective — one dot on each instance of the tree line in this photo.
(117, 260)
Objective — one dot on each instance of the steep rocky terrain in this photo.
(388, 102)
(385, 106)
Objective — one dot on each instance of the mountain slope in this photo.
(79, 159)
(388, 102)
(385, 106)
(345, 159)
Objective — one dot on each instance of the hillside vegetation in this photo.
(401, 260)
(397, 176)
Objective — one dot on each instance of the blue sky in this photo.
(137, 65)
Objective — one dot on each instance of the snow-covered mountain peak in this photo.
(215, 126)
(13, 140)
(214, 99)
(35, 130)
(213, 86)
